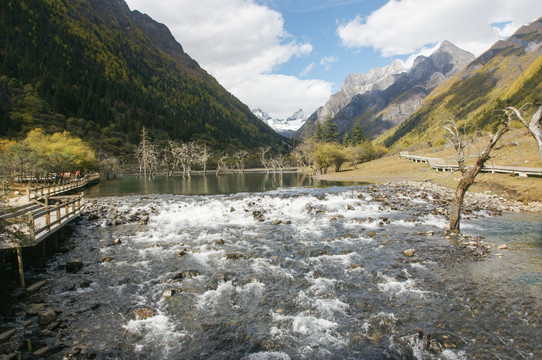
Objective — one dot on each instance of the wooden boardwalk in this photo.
(30, 224)
(439, 165)
(42, 212)
(63, 188)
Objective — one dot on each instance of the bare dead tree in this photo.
(146, 155)
(189, 156)
(534, 126)
(239, 158)
(203, 157)
(278, 163)
(460, 140)
(304, 153)
(265, 162)
(170, 160)
(221, 166)
(110, 167)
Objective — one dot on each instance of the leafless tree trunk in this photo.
(203, 157)
(146, 156)
(278, 163)
(534, 126)
(170, 160)
(109, 167)
(221, 166)
(266, 163)
(240, 157)
(468, 173)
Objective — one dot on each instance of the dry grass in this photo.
(516, 148)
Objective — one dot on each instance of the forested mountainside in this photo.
(508, 74)
(103, 72)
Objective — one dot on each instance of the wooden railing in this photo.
(28, 228)
(55, 189)
(48, 219)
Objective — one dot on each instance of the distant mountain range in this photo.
(508, 74)
(385, 97)
(400, 108)
(103, 72)
(285, 127)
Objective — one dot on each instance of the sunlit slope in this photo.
(103, 72)
(510, 73)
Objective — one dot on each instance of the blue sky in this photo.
(316, 22)
(283, 55)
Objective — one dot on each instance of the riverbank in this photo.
(517, 149)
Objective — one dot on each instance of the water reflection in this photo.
(207, 184)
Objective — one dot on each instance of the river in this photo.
(288, 270)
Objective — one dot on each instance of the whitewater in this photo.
(293, 274)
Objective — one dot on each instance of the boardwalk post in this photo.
(31, 225)
(58, 213)
(20, 261)
(48, 218)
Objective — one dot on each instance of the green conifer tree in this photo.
(329, 131)
(357, 135)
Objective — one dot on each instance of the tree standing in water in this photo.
(460, 140)
(146, 156)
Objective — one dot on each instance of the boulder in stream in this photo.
(74, 266)
(143, 313)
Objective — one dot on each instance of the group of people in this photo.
(63, 177)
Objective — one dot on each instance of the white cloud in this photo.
(306, 70)
(282, 93)
(240, 43)
(404, 27)
(326, 61)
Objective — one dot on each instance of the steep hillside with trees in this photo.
(103, 72)
(508, 74)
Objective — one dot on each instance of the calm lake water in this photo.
(209, 184)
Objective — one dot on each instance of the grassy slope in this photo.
(516, 148)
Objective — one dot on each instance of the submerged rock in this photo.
(7, 334)
(74, 266)
(143, 313)
(46, 316)
(169, 293)
(409, 252)
(234, 256)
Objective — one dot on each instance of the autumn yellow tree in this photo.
(40, 153)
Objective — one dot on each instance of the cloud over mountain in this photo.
(241, 43)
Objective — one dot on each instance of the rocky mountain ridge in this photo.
(508, 73)
(393, 97)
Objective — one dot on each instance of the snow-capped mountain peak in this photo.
(284, 127)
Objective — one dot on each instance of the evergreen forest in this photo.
(103, 73)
